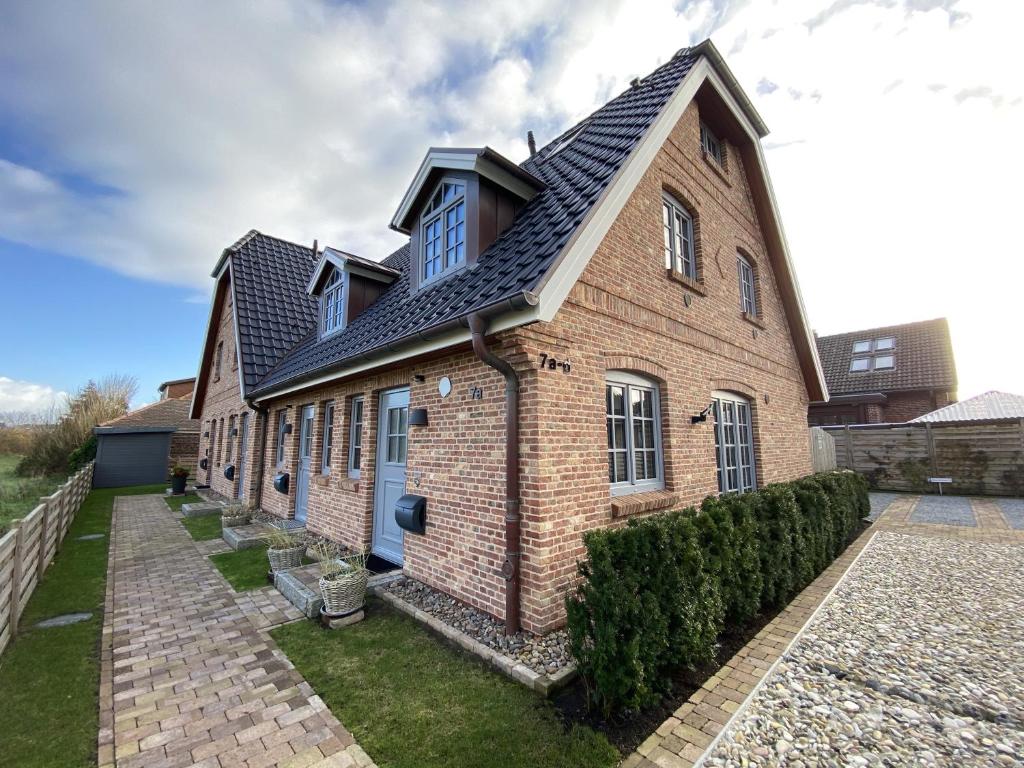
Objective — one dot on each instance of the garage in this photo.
(136, 456)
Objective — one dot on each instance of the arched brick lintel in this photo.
(732, 385)
(635, 364)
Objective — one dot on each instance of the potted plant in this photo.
(285, 550)
(342, 580)
(235, 515)
(179, 476)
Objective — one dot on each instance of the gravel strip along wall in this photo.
(916, 659)
(879, 503)
(944, 510)
(1013, 511)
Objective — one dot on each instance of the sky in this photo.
(138, 140)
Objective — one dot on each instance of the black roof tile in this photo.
(575, 177)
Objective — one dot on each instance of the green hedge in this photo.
(654, 596)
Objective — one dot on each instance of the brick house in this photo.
(886, 375)
(611, 328)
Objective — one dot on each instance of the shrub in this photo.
(646, 603)
(652, 597)
(730, 531)
(82, 455)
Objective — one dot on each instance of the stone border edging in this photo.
(541, 683)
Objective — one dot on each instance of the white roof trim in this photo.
(471, 160)
(342, 261)
(559, 281)
(223, 266)
(450, 339)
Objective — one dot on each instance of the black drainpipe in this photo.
(264, 415)
(510, 569)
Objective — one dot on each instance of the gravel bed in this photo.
(918, 659)
(1013, 511)
(944, 510)
(879, 503)
(544, 655)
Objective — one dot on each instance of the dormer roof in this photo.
(484, 161)
(349, 262)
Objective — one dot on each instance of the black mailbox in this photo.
(411, 513)
(204, 463)
(281, 482)
(229, 471)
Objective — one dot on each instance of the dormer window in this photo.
(332, 303)
(444, 230)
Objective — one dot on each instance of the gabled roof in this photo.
(923, 352)
(171, 415)
(587, 174)
(267, 278)
(341, 259)
(985, 407)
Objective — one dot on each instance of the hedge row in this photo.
(654, 596)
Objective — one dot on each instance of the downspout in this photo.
(511, 567)
(262, 414)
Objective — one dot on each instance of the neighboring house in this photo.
(989, 406)
(885, 375)
(611, 328)
(170, 390)
(140, 447)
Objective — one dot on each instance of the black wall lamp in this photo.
(703, 415)
(287, 429)
(418, 417)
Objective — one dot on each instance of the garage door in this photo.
(131, 459)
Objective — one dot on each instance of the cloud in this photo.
(766, 86)
(24, 397)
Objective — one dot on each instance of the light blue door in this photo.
(389, 485)
(305, 460)
(243, 454)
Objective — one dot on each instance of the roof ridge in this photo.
(641, 82)
(253, 233)
(136, 411)
(865, 331)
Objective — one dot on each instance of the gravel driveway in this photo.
(917, 659)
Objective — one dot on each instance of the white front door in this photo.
(389, 485)
(305, 460)
(243, 454)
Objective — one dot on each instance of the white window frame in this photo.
(678, 229)
(711, 144)
(327, 441)
(747, 282)
(355, 435)
(630, 382)
(438, 213)
(332, 303)
(745, 452)
(282, 423)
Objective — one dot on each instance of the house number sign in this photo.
(554, 364)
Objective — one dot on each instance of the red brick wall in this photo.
(625, 313)
(222, 399)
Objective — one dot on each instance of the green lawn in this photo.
(244, 569)
(202, 528)
(49, 678)
(413, 702)
(19, 495)
(176, 502)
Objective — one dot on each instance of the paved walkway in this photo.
(909, 573)
(189, 674)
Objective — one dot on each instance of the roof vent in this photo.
(635, 82)
(531, 143)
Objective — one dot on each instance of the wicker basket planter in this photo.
(234, 521)
(288, 557)
(345, 592)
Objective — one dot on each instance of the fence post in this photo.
(19, 543)
(59, 538)
(849, 446)
(44, 530)
(930, 440)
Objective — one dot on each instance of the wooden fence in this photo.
(823, 450)
(30, 546)
(981, 457)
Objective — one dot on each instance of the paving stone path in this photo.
(189, 674)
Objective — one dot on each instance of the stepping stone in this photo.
(302, 588)
(248, 536)
(337, 622)
(201, 508)
(90, 537)
(63, 621)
